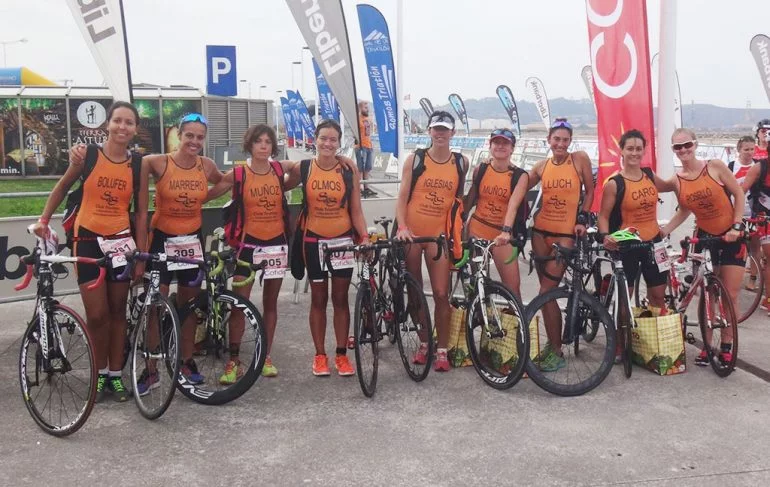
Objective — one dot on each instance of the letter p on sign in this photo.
(221, 75)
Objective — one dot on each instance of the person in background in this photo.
(760, 151)
(364, 152)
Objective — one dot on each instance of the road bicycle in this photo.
(57, 367)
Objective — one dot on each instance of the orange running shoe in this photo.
(342, 363)
(321, 365)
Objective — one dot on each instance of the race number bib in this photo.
(187, 246)
(277, 258)
(661, 256)
(339, 260)
(118, 246)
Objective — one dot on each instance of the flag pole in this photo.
(400, 81)
(128, 59)
(666, 94)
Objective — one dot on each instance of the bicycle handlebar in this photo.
(135, 254)
(220, 258)
(35, 258)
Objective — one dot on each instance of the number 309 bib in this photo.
(187, 246)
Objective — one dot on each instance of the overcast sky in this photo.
(463, 46)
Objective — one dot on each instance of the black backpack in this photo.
(520, 222)
(616, 219)
(297, 258)
(75, 198)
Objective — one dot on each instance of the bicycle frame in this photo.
(705, 268)
(481, 253)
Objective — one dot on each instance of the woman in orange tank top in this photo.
(565, 177)
(104, 212)
(264, 233)
(705, 188)
(181, 186)
(497, 206)
(423, 214)
(329, 216)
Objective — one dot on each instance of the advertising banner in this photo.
(221, 71)
(382, 77)
(617, 33)
(323, 27)
(304, 116)
(328, 107)
(459, 107)
(588, 80)
(509, 104)
(295, 115)
(759, 50)
(541, 100)
(288, 123)
(427, 106)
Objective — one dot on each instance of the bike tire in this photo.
(717, 294)
(385, 296)
(366, 338)
(413, 326)
(748, 301)
(214, 352)
(577, 376)
(626, 328)
(155, 344)
(82, 362)
(484, 351)
(592, 284)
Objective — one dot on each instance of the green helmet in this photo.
(626, 235)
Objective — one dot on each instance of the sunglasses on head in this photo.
(684, 145)
(502, 132)
(194, 117)
(561, 124)
(441, 118)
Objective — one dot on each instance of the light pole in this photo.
(302, 68)
(249, 84)
(293, 86)
(5, 43)
(260, 90)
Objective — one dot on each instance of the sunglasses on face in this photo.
(561, 124)
(441, 118)
(194, 117)
(684, 145)
(502, 132)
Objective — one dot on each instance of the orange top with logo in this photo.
(708, 201)
(262, 201)
(639, 207)
(179, 195)
(365, 130)
(494, 193)
(432, 198)
(561, 191)
(325, 190)
(107, 197)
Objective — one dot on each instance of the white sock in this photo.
(115, 373)
(104, 371)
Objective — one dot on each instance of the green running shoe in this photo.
(101, 382)
(547, 350)
(233, 372)
(118, 390)
(552, 362)
(269, 369)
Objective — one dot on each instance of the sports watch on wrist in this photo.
(506, 229)
(738, 227)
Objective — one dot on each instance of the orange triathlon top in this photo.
(262, 201)
(107, 194)
(365, 130)
(708, 200)
(494, 193)
(432, 198)
(639, 207)
(561, 191)
(325, 190)
(179, 195)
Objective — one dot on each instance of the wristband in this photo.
(506, 229)
(582, 218)
(738, 227)
(43, 220)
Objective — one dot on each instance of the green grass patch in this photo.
(26, 185)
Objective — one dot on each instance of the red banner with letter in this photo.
(620, 64)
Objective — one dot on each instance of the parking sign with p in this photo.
(221, 75)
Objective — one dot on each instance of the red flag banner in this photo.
(620, 64)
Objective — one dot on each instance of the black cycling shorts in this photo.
(643, 260)
(724, 253)
(87, 245)
(313, 261)
(157, 246)
(247, 253)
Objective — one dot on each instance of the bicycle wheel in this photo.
(499, 350)
(155, 358)
(384, 303)
(133, 305)
(716, 316)
(59, 394)
(751, 291)
(594, 284)
(214, 351)
(579, 372)
(366, 340)
(413, 327)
